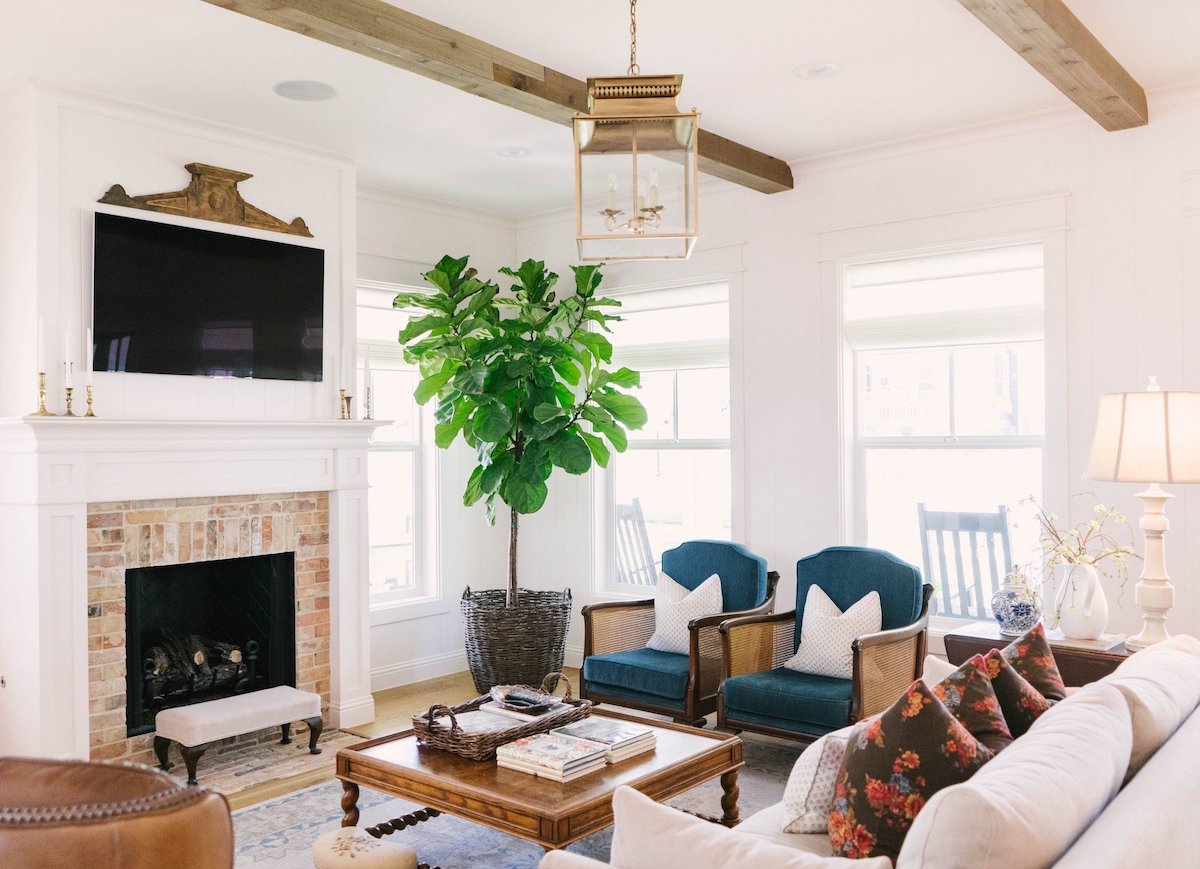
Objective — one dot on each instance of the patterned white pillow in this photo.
(810, 787)
(675, 605)
(826, 634)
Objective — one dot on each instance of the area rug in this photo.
(279, 833)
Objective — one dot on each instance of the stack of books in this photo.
(549, 755)
(621, 740)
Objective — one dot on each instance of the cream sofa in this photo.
(1109, 777)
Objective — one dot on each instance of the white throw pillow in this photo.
(648, 835)
(826, 634)
(936, 670)
(810, 787)
(675, 605)
(1027, 805)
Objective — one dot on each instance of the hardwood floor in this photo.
(394, 709)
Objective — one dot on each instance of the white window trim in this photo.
(601, 493)
(427, 485)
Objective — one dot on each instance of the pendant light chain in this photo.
(634, 69)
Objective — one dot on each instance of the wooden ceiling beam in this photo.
(1055, 43)
(379, 30)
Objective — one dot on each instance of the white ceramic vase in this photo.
(1082, 605)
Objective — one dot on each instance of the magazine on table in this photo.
(550, 774)
(562, 754)
(621, 740)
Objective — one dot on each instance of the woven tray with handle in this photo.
(482, 746)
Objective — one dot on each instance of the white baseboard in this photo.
(352, 714)
(573, 657)
(418, 670)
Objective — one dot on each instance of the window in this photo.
(949, 408)
(674, 482)
(401, 464)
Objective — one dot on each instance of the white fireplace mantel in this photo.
(51, 468)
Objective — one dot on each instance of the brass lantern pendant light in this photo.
(635, 167)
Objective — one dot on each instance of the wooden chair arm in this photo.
(617, 626)
(887, 662)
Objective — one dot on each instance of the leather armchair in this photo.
(64, 814)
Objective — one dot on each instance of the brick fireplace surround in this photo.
(82, 500)
(128, 534)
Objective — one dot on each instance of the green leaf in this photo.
(571, 453)
(473, 492)
(439, 279)
(599, 451)
(616, 436)
(587, 279)
(431, 385)
(525, 496)
(626, 409)
(469, 379)
(444, 433)
(420, 325)
(451, 267)
(566, 369)
(625, 377)
(547, 411)
(494, 474)
(492, 422)
(599, 346)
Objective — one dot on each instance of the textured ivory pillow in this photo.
(1161, 686)
(809, 791)
(648, 835)
(1027, 806)
(827, 633)
(935, 670)
(675, 605)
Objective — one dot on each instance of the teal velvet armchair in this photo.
(758, 693)
(618, 668)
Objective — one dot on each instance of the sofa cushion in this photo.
(1161, 684)
(648, 835)
(1153, 804)
(827, 635)
(794, 699)
(894, 763)
(1027, 806)
(646, 671)
(809, 790)
(768, 824)
(968, 694)
(675, 605)
(1033, 659)
(1020, 701)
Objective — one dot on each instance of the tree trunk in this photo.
(512, 559)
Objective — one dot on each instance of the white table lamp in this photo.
(1149, 437)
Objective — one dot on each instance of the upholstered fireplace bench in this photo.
(198, 726)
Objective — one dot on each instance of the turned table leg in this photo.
(349, 804)
(729, 799)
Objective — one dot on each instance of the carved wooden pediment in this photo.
(212, 195)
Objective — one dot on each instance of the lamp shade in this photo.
(1147, 437)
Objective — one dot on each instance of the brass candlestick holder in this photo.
(343, 404)
(367, 410)
(41, 411)
(70, 391)
(89, 401)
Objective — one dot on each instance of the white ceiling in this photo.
(907, 67)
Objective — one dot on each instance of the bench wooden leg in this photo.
(315, 725)
(286, 730)
(161, 746)
(191, 756)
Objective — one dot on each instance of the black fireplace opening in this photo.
(207, 630)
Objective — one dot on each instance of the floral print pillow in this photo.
(893, 764)
(1032, 657)
(1020, 701)
(968, 694)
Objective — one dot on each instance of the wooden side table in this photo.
(1077, 666)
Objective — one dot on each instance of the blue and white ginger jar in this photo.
(1017, 608)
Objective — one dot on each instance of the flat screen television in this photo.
(170, 299)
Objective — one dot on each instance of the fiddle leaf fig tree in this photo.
(524, 378)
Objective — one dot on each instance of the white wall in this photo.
(398, 238)
(1127, 273)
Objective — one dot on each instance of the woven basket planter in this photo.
(517, 646)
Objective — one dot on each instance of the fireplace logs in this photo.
(187, 668)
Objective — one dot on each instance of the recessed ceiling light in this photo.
(816, 69)
(305, 91)
(514, 152)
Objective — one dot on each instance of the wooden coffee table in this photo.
(549, 813)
